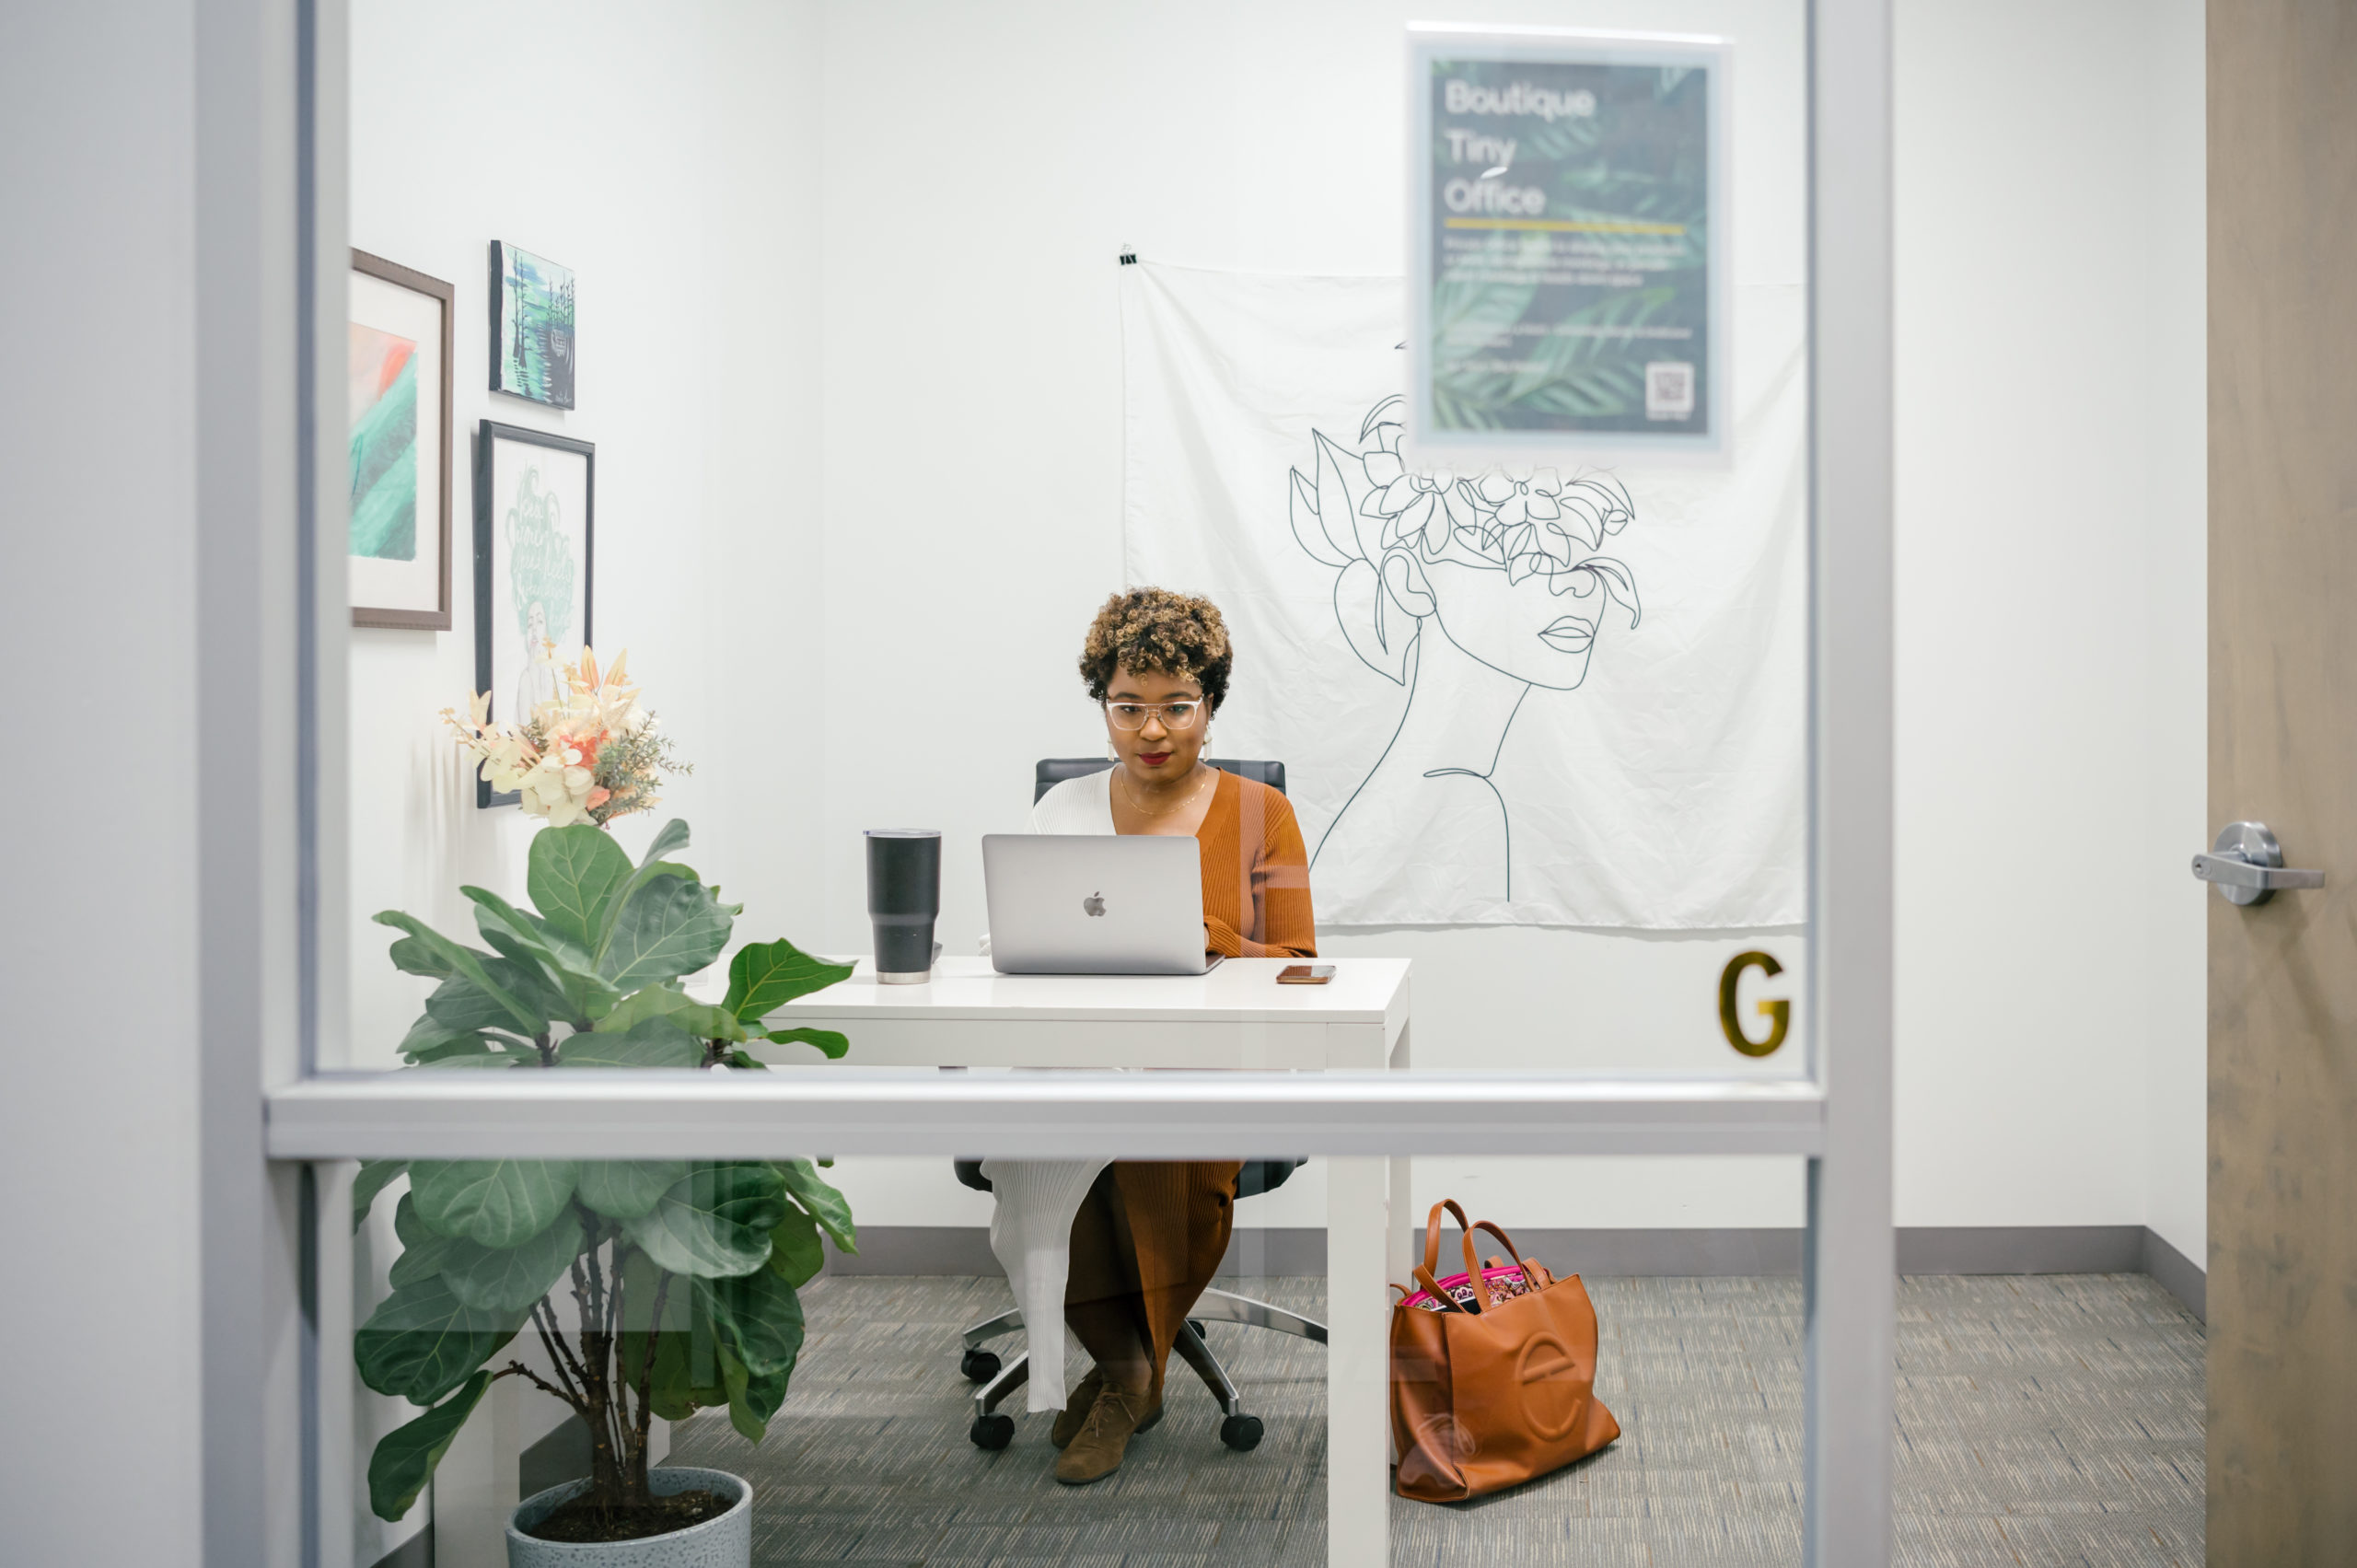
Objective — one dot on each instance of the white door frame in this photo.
(272, 635)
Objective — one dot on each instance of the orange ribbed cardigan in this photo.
(1256, 874)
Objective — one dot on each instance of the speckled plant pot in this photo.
(725, 1542)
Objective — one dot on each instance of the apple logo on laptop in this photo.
(1094, 904)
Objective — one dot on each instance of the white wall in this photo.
(2050, 657)
(973, 448)
(2048, 583)
(945, 190)
(99, 1110)
(654, 160)
(2176, 646)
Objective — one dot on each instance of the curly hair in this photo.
(1154, 629)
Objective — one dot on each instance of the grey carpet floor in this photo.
(2048, 1419)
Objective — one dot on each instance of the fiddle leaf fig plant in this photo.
(653, 1287)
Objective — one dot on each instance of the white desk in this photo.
(1236, 1017)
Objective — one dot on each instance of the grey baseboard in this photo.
(1922, 1250)
(2177, 1274)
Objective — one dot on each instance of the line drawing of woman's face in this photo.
(1503, 567)
(536, 629)
(1525, 629)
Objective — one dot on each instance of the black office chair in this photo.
(1053, 771)
(1238, 1429)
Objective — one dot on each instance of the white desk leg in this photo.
(1405, 1234)
(1358, 1316)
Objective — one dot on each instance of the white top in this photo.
(1077, 805)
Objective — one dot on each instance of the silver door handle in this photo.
(2247, 866)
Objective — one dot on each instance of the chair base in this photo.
(1238, 1429)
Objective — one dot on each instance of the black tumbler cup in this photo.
(903, 899)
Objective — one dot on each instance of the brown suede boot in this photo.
(1074, 1416)
(1104, 1437)
(1077, 1404)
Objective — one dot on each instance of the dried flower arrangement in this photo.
(590, 753)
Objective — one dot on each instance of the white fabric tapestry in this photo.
(1545, 697)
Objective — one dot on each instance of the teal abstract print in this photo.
(384, 445)
(531, 348)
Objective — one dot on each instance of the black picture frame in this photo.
(487, 438)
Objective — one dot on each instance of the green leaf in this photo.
(493, 1203)
(406, 1455)
(374, 1178)
(423, 1252)
(413, 957)
(460, 1006)
(504, 1279)
(431, 1040)
(830, 1043)
(825, 1205)
(687, 1375)
(672, 835)
(641, 1282)
(668, 927)
(653, 1043)
(699, 1018)
(584, 992)
(765, 976)
(795, 1253)
(744, 1063)
(422, 1341)
(752, 1399)
(648, 1002)
(501, 1059)
(623, 1190)
(573, 874)
(713, 1221)
(467, 965)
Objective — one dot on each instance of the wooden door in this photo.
(2283, 1285)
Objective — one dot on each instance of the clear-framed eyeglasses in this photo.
(1174, 715)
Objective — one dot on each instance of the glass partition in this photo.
(919, 590)
(650, 523)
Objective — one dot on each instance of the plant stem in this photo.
(561, 1355)
(518, 1369)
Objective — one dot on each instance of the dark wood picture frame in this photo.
(489, 432)
(437, 620)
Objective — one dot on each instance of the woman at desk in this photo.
(1149, 1234)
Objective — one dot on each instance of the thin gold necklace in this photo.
(1130, 795)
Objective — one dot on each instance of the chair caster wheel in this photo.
(980, 1366)
(998, 1430)
(1241, 1433)
(1196, 1324)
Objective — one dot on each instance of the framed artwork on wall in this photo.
(399, 379)
(532, 326)
(535, 497)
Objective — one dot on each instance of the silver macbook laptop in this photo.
(1078, 903)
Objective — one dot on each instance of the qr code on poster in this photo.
(1669, 390)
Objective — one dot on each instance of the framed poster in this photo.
(535, 497)
(1567, 246)
(532, 326)
(398, 377)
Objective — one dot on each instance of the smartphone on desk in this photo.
(1305, 975)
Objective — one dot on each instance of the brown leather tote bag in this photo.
(1498, 1386)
